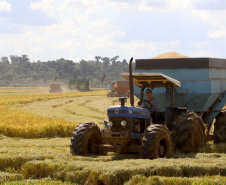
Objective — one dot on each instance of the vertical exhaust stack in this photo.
(131, 82)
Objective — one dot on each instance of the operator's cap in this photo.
(148, 91)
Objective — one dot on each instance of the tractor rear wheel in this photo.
(156, 142)
(188, 132)
(84, 138)
(220, 128)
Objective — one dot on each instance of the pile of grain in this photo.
(171, 55)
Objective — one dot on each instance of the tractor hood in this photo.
(128, 111)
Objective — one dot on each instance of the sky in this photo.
(82, 29)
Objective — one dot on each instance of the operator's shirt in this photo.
(155, 104)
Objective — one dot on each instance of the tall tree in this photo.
(5, 60)
(113, 60)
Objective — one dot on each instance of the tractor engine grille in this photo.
(139, 125)
(117, 123)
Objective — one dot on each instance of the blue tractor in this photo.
(188, 108)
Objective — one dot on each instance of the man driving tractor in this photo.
(152, 105)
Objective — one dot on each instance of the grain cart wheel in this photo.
(156, 142)
(84, 137)
(220, 128)
(188, 132)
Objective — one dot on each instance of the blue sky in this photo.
(80, 29)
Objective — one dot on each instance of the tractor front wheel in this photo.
(84, 139)
(220, 128)
(156, 142)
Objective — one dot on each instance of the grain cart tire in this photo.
(156, 142)
(84, 137)
(188, 132)
(220, 128)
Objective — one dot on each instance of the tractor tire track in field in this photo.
(95, 109)
(91, 108)
(62, 104)
(76, 109)
(79, 114)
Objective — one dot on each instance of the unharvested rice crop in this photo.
(23, 90)
(19, 123)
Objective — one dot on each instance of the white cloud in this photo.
(121, 6)
(202, 14)
(185, 4)
(216, 18)
(219, 34)
(5, 6)
(165, 5)
(137, 48)
(48, 6)
(87, 28)
(143, 6)
(81, 2)
(174, 44)
(201, 44)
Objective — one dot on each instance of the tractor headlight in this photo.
(123, 123)
(109, 124)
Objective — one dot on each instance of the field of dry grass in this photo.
(40, 153)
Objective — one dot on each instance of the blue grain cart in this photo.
(202, 87)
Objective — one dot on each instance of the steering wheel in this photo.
(148, 103)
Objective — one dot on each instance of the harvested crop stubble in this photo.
(113, 172)
(206, 180)
(51, 158)
(6, 177)
(78, 109)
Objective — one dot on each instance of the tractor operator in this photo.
(152, 105)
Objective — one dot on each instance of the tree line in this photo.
(19, 71)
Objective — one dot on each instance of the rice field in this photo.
(17, 122)
(35, 131)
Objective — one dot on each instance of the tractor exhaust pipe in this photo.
(103, 78)
(131, 82)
